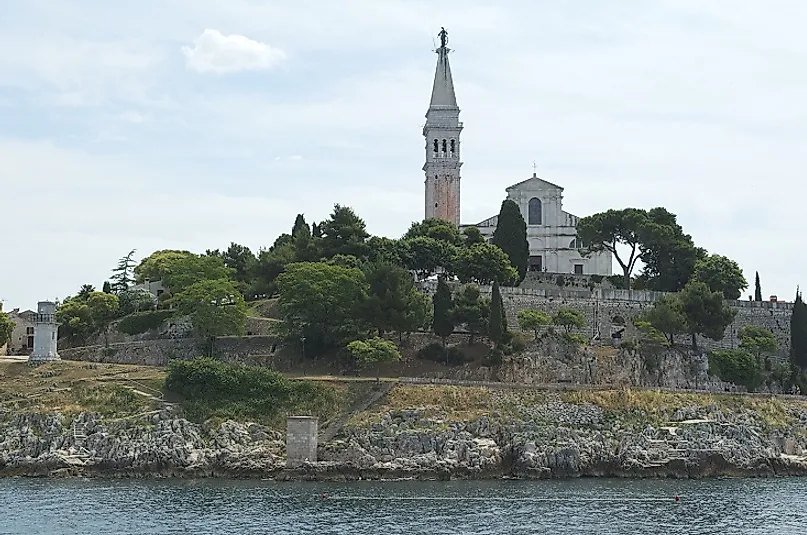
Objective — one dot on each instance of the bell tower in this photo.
(442, 133)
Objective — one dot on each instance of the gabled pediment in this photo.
(534, 183)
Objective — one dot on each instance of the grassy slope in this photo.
(121, 390)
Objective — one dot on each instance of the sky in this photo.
(190, 124)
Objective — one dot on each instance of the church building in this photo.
(551, 232)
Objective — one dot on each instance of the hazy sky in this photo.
(188, 124)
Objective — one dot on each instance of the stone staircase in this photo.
(333, 429)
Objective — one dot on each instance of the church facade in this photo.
(551, 232)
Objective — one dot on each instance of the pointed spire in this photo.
(443, 90)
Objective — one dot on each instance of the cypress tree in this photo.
(443, 323)
(511, 236)
(299, 223)
(107, 287)
(757, 289)
(498, 321)
(798, 333)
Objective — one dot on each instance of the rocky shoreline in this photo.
(552, 439)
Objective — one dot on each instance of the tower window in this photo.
(445, 146)
(453, 147)
(435, 145)
(534, 213)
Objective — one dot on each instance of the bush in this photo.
(141, 322)
(561, 280)
(494, 357)
(574, 338)
(517, 344)
(455, 356)
(434, 352)
(736, 366)
(597, 279)
(210, 388)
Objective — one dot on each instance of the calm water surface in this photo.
(723, 507)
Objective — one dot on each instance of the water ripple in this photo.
(614, 507)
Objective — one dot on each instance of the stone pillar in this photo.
(46, 332)
(301, 440)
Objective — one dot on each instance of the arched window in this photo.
(445, 146)
(435, 146)
(534, 216)
(453, 147)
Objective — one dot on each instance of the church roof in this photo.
(443, 90)
(536, 181)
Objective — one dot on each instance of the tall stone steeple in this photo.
(442, 133)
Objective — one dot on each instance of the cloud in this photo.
(214, 52)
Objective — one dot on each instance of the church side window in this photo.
(445, 146)
(534, 213)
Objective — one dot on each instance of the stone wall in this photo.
(301, 440)
(605, 309)
(248, 350)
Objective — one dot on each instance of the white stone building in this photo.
(22, 337)
(552, 233)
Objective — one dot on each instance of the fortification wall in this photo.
(255, 350)
(604, 308)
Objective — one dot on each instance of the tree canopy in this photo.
(6, 328)
(722, 275)
(511, 237)
(705, 312)
(216, 308)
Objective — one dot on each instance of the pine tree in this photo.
(299, 222)
(315, 231)
(123, 275)
(107, 287)
(798, 333)
(511, 236)
(443, 323)
(498, 321)
(757, 289)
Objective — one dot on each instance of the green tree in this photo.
(569, 318)
(426, 255)
(668, 254)
(757, 288)
(667, 317)
(180, 269)
(533, 320)
(607, 231)
(497, 324)
(419, 314)
(306, 246)
(123, 276)
(271, 263)
(299, 224)
(242, 261)
(373, 352)
(511, 236)
(472, 236)
(471, 310)
(721, 274)
(484, 263)
(705, 312)
(736, 366)
(443, 322)
(6, 327)
(344, 233)
(85, 291)
(321, 305)
(136, 300)
(435, 228)
(103, 309)
(798, 333)
(758, 341)
(107, 288)
(216, 308)
(386, 251)
(390, 297)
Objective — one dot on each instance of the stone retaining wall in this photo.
(248, 350)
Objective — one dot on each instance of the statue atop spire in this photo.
(443, 37)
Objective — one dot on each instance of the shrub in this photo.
(597, 279)
(434, 352)
(455, 356)
(141, 322)
(517, 344)
(210, 388)
(736, 366)
(560, 280)
(574, 338)
(494, 357)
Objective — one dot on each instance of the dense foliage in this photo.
(736, 366)
(511, 236)
(210, 388)
(141, 322)
(6, 328)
